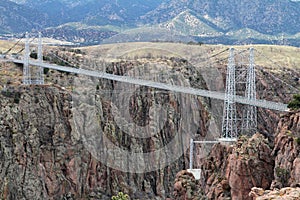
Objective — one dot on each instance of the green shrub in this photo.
(120, 196)
(295, 103)
(16, 99)
(33, 55)
(46, 70)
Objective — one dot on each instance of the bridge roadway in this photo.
(188, 90)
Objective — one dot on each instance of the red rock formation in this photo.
(233, 171)
(214, 170)
(186, 187)
(254, 163)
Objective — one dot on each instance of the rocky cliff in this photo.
(42, 158)
(45, 156)
(287, 152)
(253, 166)
(233, 171)
(186, 187)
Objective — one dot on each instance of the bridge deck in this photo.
(188, 90)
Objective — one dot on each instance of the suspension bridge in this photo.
(229, 96)
(230, 129)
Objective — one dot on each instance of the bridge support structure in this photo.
(33, 74)
(248, 121)
(229, 122)
(26, 69)
(196, 171)
(249, 124)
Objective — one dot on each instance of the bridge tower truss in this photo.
(33, 74)
(237, 76)
(229, 122)
(249, 125)
(40, 70)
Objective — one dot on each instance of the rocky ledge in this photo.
(287, 193)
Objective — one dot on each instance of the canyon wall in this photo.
(54, 138)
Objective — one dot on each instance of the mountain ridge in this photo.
(18, 18)
(217, 19)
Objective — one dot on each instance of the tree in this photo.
(120, 196)
(295, 103)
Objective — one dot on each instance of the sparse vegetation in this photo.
(289, 133)
(179, 42)
(10, 93)
(282, 174)
(17, 99)
(77, 51)
(195, 43)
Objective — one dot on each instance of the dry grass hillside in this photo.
(279, 66)
(284, 56)
(265, 55)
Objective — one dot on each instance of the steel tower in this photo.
(249, 124)
(33, 74)
(26, 69)
(229, 123)
(40, 70)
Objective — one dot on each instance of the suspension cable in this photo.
(277, 66)
(14, 45)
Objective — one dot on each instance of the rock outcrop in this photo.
(216, 185)
(287, 151)
(186, 187)
(231, 171)
(276, 194)
(42, 158)
(36, 144)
